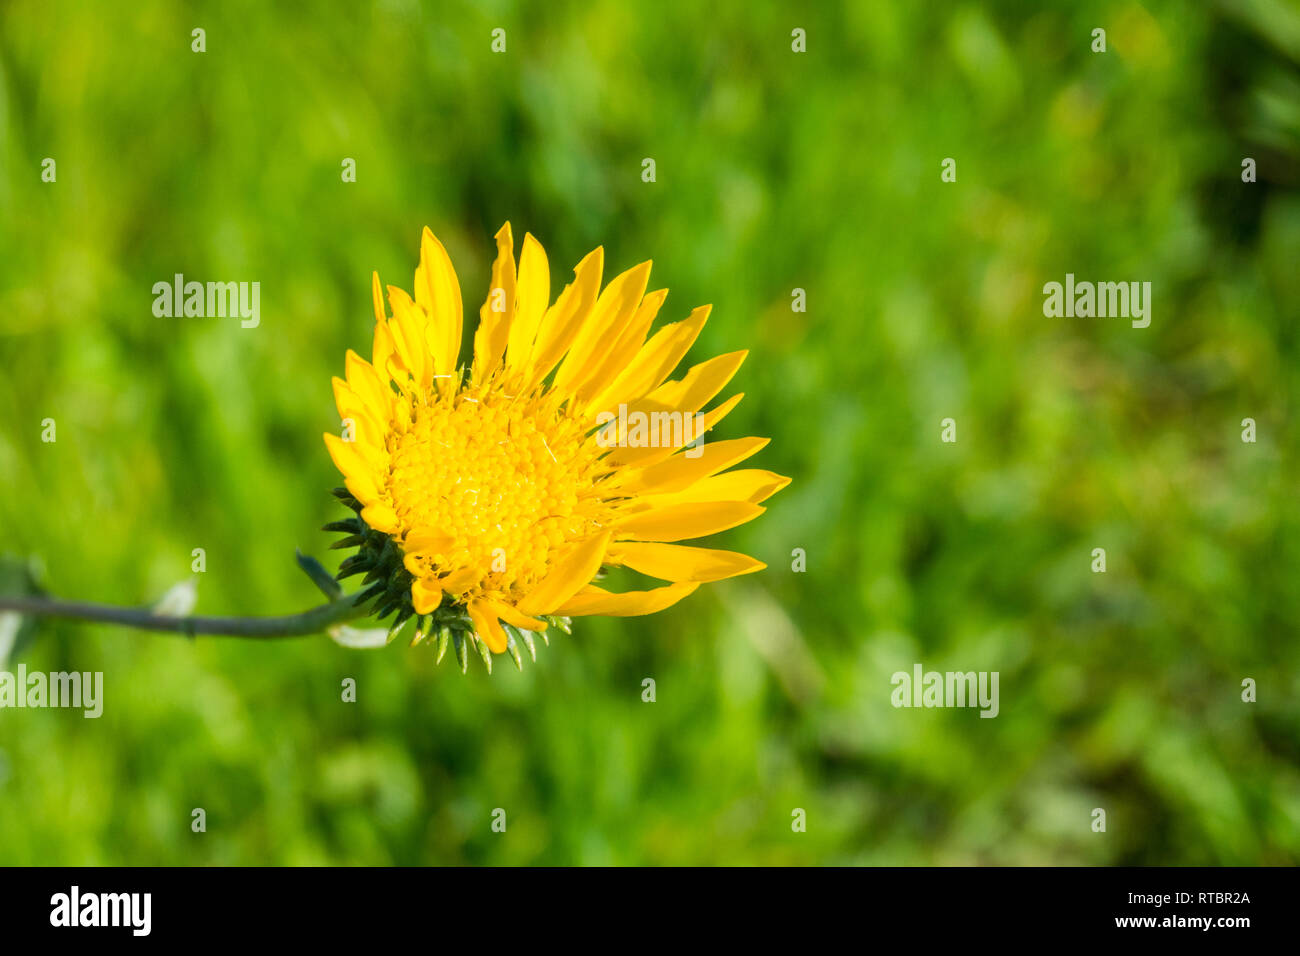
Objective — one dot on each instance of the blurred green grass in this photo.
(775, 171)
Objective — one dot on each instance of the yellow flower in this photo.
(489, 500)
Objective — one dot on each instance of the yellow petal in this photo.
(380, 516)
(566, 576)
(645, 457)
(458, 581)
(648, 425)
(745, 484)
(594, 600)
(700, 384)
(362, 489)
(674, 562)
(534, 297)
(437, 284)
(605, 323)
(498, 310)
(562, 321)
(383, 349)
(628, 344)
(420, 546)
(365, 421)
(677, 522)
(377, 291)
(512, 615)
(654, 362)
(487, 626)
(761, 484)
(680, 471)
(427, 540)
(365, 381)
(356, 469)
(409, 338)
(425, 596)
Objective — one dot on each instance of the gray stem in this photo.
(312, 621)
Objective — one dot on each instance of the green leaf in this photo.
(358, 638)
(18, 578)
(179, 600)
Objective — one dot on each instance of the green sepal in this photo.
(483, 651)
(355, 563)
(512, 649)
(519, 636)
(345, 496)
(398, 623)
(319, 576)
(346, 526)
(370, 594)
(421, 630)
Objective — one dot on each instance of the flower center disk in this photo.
(500, 483)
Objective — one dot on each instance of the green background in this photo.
(775, 170)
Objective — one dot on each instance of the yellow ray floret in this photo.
(507, 487)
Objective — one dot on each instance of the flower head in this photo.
(490, 498)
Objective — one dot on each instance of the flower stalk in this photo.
(312, 621)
